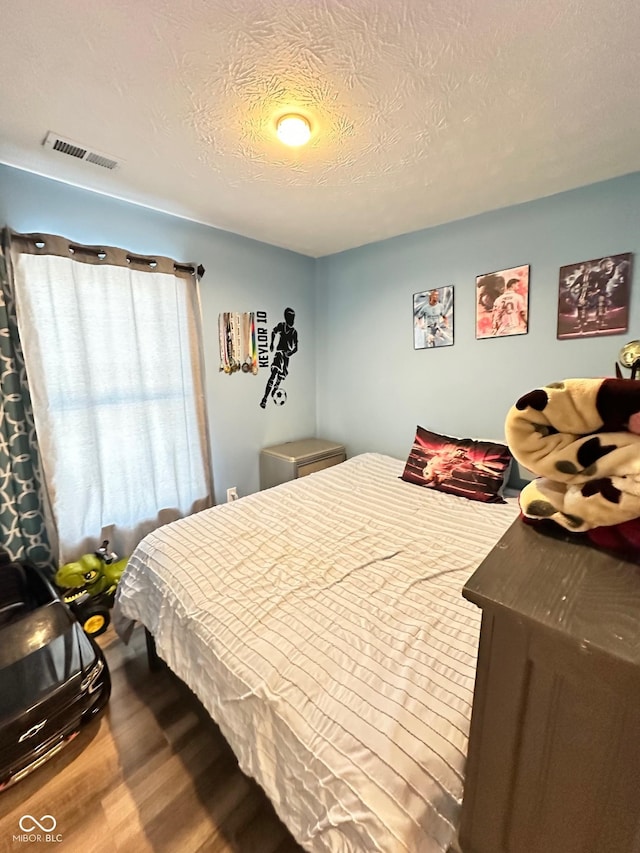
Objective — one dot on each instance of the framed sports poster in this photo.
(593, 297)
(433, 318)
(502, 303)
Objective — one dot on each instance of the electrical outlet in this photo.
(232, 494)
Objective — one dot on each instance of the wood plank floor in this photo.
(153, 774)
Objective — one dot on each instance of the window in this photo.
(112, 352)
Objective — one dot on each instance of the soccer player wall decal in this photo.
(287, 345)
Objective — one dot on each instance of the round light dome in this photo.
(293, 130)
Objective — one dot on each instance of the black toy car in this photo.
(53, 677)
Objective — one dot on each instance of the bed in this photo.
(321, 623)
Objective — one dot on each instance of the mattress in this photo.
(321, 624)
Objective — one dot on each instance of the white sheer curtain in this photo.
(112, 352)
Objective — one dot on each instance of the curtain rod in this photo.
(57, 246)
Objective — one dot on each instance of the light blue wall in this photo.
(373, 387)
(368, 385)
(241, 275)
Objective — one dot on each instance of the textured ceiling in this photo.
(423, 111)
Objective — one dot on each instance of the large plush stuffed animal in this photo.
(581, 437)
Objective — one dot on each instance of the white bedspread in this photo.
(321, 624)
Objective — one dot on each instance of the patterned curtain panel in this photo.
(22, 519)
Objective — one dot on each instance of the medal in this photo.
(224, 367)
(246, 342)
(254, 346)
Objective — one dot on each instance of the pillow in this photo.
(477, 470)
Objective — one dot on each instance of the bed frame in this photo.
(154, 659)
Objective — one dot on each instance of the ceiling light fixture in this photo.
(293, 130)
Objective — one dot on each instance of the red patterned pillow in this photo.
(477, 470)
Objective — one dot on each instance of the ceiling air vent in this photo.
(80, 152)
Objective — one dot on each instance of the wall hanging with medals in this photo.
(238, 343)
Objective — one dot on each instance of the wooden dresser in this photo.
(554, 748)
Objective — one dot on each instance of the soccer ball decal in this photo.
(279, 397)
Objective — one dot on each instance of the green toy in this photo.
(88, 586)
(90, 574)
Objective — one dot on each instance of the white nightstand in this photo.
(283, 462)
